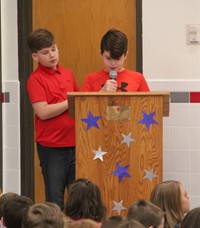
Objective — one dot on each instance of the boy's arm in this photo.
(47, 111)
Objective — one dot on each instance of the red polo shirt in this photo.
(49, 85)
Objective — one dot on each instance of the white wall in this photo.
(9, 36)
(10, 85)
(165, 52)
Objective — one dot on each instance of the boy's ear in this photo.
(34, 56)
(125, 55)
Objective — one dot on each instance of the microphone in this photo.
(113, 74)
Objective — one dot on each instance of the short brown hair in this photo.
(115, 42)
(146, 213)
(14, 210)
(47, 215)
(40, 38)
(130, 224)
(192, 219)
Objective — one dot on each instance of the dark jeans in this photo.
(58, 170)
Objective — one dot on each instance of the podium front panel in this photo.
(121, 153)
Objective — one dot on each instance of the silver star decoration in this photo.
(99, 154)
(149, 174)
(127, 139)
(118, 207)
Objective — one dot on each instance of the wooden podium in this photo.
(119, 143)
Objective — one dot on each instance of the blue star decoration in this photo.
(118, 207)
(127, 139)
(148, 119)
(149, 174)
(121, 172)
(91, 121)
(99, 154)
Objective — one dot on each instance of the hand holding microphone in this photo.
(111, 84)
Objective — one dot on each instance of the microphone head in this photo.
(113, 74)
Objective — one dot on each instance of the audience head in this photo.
(112, 221)
(84, 201)
(45, 215)
(14, 210)
(173, 199)
(84, 223)
(146, 213)
(3, 199)
(192, 219)
(130, 224)
(67, 221)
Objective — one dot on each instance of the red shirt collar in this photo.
(49, 70)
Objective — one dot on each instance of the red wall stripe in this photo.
(2, 98)
(194, 97)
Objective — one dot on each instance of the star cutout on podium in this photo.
(91, 121)
(99, 154)
(127, 139)
(148, 119)
(149, 174)
(118, 207)
(121, 172)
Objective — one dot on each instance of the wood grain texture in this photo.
(144, 153)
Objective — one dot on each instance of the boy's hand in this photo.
(109, 86)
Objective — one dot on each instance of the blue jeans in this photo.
(58, 170)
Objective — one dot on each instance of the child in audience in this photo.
(3, 199)
(112, 221)
(67, 222)
(84, 201)
(146, 213)
(192, 219)
(84, 223)
(130, 224)
(14, 210)
(173, 199)
(45, 215)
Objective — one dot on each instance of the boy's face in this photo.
(113, 64)
(47, 57)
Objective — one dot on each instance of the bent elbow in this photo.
(43, 117)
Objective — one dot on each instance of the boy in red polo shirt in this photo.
(47, 87)
(113, 49)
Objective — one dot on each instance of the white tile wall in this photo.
(179, 114)
(11, 138)
(194, 114)
(181, 138)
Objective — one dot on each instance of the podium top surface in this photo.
(72, 95)
(118, 93)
